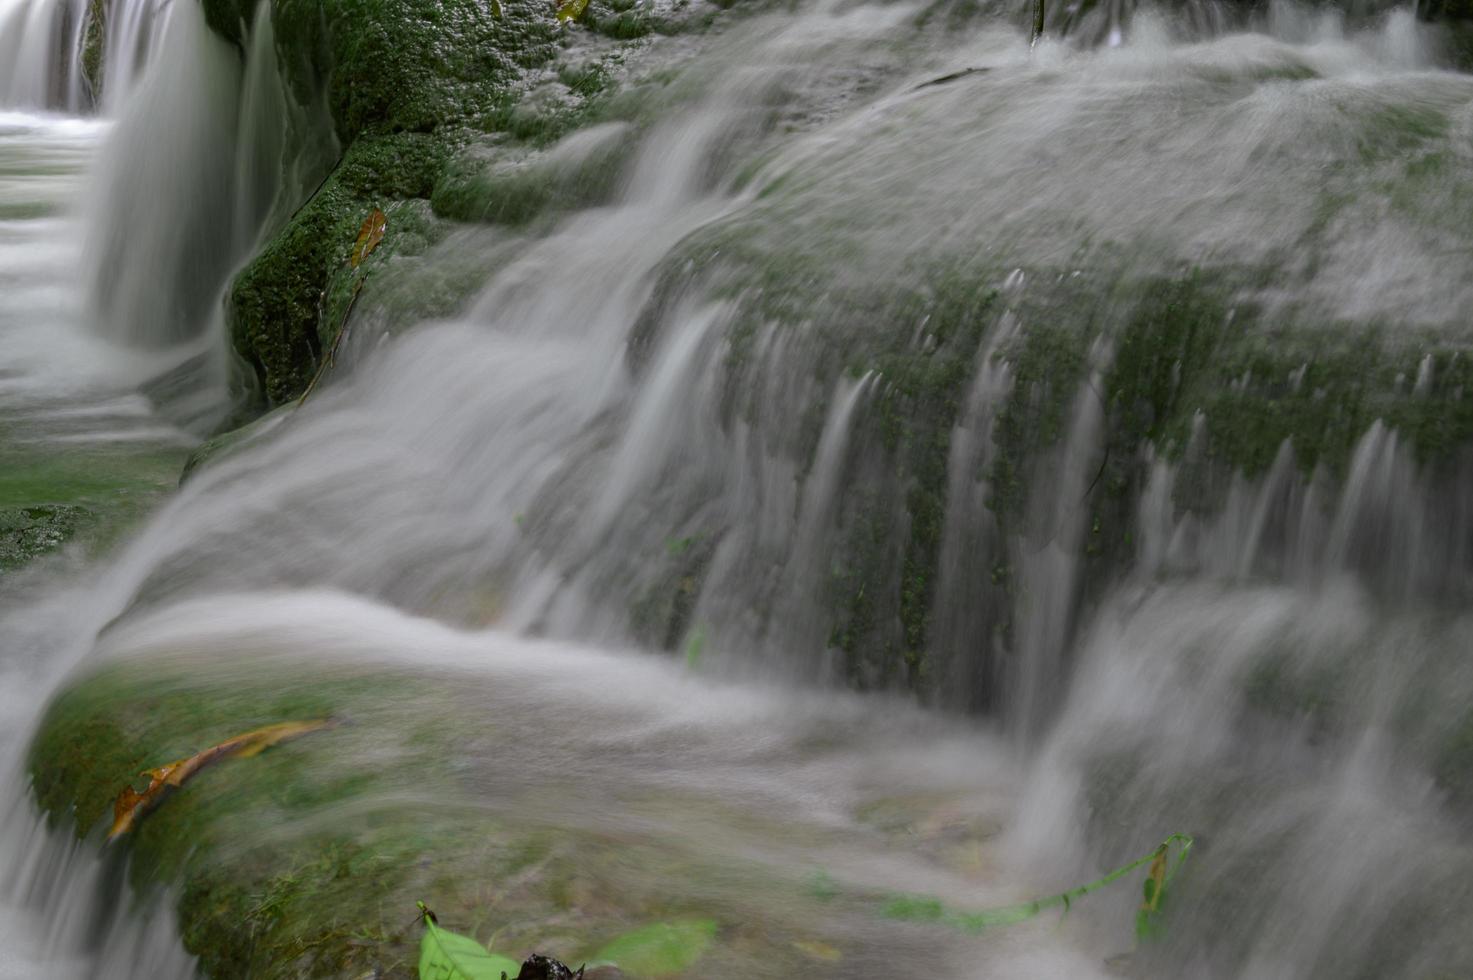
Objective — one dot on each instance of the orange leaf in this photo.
(1155, 883)
(131, 804)
(369, 236)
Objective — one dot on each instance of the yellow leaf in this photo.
(818, 950)
(1155, 882)
(571, 9)
(369, 236)
(132, 804)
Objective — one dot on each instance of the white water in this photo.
(43, 52)
(62, 391)
(522, 451)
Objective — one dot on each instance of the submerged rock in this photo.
(27, 533)
(539, 967)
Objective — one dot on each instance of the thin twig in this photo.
(332, 354)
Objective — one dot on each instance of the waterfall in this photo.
(155, 279)
(41, 54)
(81, 920)
(76, 55)
(212, 138)
(881, 367)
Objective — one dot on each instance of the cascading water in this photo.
(73, 55)
(64, 396)
(679, 420)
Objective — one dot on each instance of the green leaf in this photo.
(694, 646)
(660, 950)
(444, 955)
(571, 9)
(914, 908)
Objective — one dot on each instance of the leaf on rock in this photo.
(132, 804)
(660, 950)
(571, 9)
(370, 235)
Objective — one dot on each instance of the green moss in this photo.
(94, 45)
(87, 494)
(408, 86)
(860, 579)
(1048, 364)
(404, 83)
(921, 347)
(920, 399)
(279, 318)
(417, 66)
(482, 185)
(660, 616)
(29, 532)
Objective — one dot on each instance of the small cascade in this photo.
(206, 156)
(81, 920)
(154, 280)
(968, 608)
(801, 588)
(135, 31)
(756, 409)
(1399, 530)
(213, 141)
(42, 54)
(1049, 563)
(76, 56)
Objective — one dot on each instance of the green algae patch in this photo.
(91, 495)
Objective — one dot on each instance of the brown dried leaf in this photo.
(131, 804)
(369, 236)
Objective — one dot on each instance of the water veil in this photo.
(873, 481)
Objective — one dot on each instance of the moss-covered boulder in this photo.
(307, 860)
(405, 82)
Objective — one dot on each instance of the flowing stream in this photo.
(504, 496)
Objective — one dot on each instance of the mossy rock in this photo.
(415, 91)
(27, 533)
(307, 859)
(403, 81)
